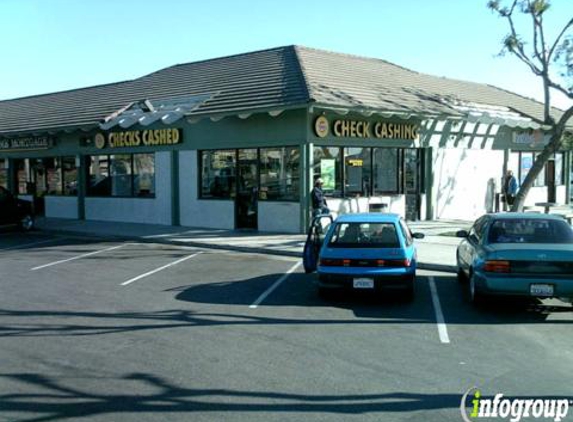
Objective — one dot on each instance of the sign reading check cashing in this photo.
(138, 138)
(28, 143)
(364, 129)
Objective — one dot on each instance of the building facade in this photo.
(236, 143)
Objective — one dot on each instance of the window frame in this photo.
(232, 196)
(132, 195)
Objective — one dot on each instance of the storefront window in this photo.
(121, 180)
(23, 177)
(144, 174)
(124, 175)
(279, 173)
(53, 171)
(70, 176)
(4, 173)
(525, 164)
(218, 172)
(357, 171)
(385, 170)
(327, 166)
(99, 182)
(559, 173)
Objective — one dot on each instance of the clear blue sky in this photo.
(54, 45)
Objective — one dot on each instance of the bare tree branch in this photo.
(558, 39)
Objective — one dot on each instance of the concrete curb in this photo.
(243, 249)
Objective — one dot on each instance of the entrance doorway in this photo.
(550, 179)
(412, 182)
(246, 202)
(39, 179)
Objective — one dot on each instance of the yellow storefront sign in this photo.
(366, 129)
(136, 138)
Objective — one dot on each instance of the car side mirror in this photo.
(418, 235)
(462, 233)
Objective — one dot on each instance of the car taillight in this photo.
(497, 266)
(397, 263)
(327, 262)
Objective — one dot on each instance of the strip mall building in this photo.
(237, 142)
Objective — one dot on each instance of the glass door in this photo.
(412, 171)
(39, 185)
(550, 180)
(246, 202)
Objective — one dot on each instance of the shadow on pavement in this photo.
(299, 290)
(50, 399)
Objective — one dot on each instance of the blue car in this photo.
(518, 254)
(366, 252)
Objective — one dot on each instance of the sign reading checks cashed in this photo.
(365, 129)
(137, 138)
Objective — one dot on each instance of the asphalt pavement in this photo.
(115, 329)
(437, 251)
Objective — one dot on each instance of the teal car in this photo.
(366, 252)
(517, 254)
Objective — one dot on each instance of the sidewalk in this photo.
(435, 252)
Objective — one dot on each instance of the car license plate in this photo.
(543, 290)
(363, 283)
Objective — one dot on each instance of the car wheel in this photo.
(324, 293)
(27, 222)
(410, 291)
(461, 276)
(460, 273)
(475, 296)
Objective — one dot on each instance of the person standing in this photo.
(319, 205)
(509, 188)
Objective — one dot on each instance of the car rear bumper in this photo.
(521, 286)
(384, 282)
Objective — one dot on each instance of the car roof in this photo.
(378, 217)
(525, 215)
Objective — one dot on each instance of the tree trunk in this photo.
(555, 143)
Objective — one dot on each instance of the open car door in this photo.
(316, 232)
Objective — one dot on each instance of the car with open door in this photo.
(366, 252)
(14, 211)
(517, 254)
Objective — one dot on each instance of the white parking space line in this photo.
(139, 277)
(30, 244)
(51, 264)
(442, 328)
(274, 286)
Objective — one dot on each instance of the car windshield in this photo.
(364, 235)
(524, 230)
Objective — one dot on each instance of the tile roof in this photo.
(359, 82)
(264, 80)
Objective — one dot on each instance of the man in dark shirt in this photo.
(510, 188)
(319, 205)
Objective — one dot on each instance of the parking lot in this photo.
(103, 330)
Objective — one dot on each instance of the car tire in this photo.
(324, 293)
(409, 293)
(461, 276)
(474, 295)
(26, 223)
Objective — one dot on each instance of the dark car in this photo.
(517, 254)
(14, 211)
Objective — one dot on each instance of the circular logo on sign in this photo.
(321, 126)
(99, 141)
